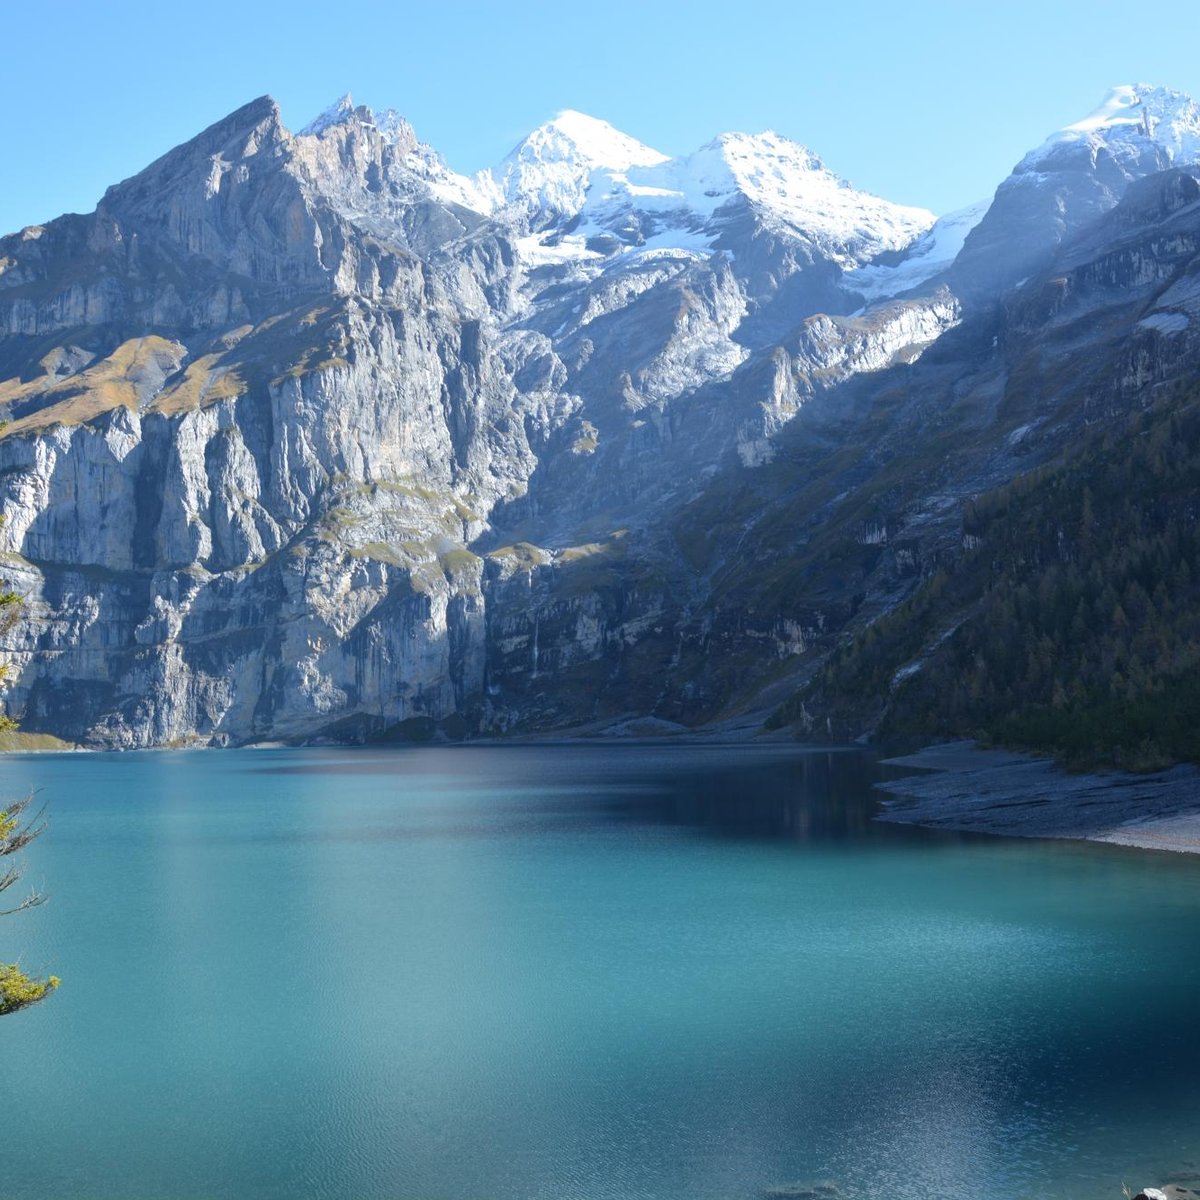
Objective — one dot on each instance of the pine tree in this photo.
(17, 830)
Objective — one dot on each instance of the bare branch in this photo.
(17, 831)
(9, 878)
(30, 901)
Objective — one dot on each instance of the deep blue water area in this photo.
(569, 972)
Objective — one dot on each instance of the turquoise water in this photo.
(575, 972)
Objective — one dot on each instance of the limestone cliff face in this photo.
(309, 437)
(248, 443)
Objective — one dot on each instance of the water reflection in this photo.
(817, 796)
(780, 794)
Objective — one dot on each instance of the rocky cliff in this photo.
(309, 436)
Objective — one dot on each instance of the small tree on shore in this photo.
(17, 829)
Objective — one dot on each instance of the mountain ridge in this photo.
(302, 445)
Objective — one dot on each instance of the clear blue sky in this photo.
(925, 102)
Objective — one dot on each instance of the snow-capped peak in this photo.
(779, 176)
(787, 184)
(576, 137)
(335, 114)
(747, 153)
(648, 202)
(1140, 111)
(551, 169)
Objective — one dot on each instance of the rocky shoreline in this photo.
(963, 787)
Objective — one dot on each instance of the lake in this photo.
(570, 972)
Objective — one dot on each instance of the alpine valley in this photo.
(310, 437)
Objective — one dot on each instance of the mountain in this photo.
(310, 436)
(1075, 176)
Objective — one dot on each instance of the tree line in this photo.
(1071, 625)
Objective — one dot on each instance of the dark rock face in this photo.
(310, 437)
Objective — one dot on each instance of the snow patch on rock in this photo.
(927, 257)
(1165, 322)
